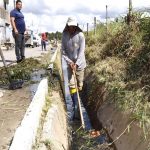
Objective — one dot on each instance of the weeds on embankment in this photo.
(120, 66)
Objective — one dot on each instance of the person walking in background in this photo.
(19, 28)
(73, 51)
(43, 41)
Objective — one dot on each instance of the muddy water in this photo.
(36, 77)
(13, 106)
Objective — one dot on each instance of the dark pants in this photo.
(74, 100)
(75, 105)
(43, 43)
(19, 46)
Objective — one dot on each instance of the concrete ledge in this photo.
(25, 134)
(54, 56)
(55, 126)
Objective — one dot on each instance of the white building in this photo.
(4, 22)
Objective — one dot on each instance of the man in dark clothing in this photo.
(19, 27)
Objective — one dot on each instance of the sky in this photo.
(51, 15)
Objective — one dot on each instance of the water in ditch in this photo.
(36, 77)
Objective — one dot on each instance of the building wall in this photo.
(4, 18)
(2, 35)
(4, 3)
(1, 3)
(2, 23)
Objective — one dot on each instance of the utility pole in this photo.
(94, 25)
(14, 4)
(130, 11)
(87, 29)
(106, 21)
(56, 36)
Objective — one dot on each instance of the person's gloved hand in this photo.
(73, 66)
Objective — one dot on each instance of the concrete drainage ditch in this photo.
(45, 124)
(42, 132)
(25, 134)
(52, 133)
(100, 141)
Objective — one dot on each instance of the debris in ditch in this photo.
(21, 71)
(89, 140)
(95, 133)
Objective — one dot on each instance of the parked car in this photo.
(36, 41)
(29, 39)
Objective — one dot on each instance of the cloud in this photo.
(51, 15)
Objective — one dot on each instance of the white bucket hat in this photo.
(72, 21)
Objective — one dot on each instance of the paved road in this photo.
(10, 56)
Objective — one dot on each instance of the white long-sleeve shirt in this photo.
(73, 49)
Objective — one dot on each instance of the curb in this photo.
(25, 134)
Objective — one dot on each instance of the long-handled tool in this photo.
(79, 100)
(13, 84)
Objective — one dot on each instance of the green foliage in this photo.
(139, 65)
(145, 28)
(122, 63)
(20, 71)
(57, 35)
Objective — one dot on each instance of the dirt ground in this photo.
(116, 122)
(13, 105)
